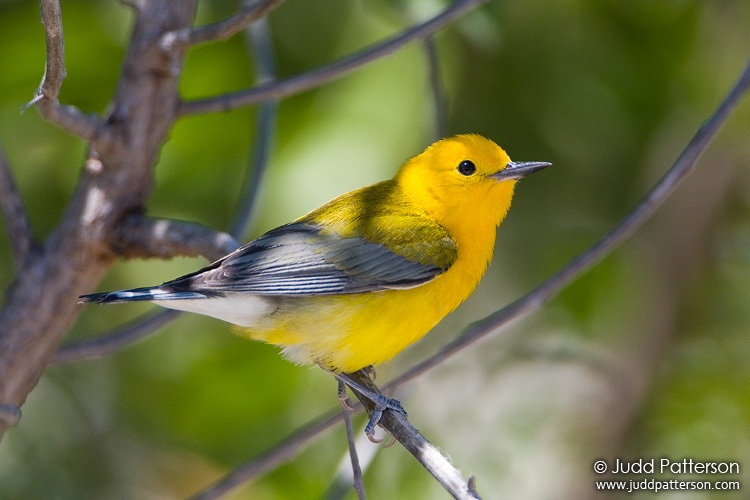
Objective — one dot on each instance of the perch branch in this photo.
(17, 223)
(230, 26)
(415, 443)
(316, 77)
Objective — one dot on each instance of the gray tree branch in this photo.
(321, 75)
(41, 304)
(69, 118)
(17, 222)
(224, 29)
(138, 236)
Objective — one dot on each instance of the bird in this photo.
(354, 282)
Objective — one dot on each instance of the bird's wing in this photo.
(301, 259)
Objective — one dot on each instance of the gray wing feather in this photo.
(297, 259)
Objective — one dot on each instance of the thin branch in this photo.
(359, 486)
(288, 449)
(426, 453)
(69, 118)
(230, 26)
(543, 293)
(319, 76)
(439, 98)
(17, 222)
(262, 47)
(114, 341)
(281, 453)
(138, 236)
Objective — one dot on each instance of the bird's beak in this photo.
(514, 170)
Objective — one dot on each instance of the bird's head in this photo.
(464, 180)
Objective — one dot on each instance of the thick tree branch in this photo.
(41, 305)
(17, 223)
(230, 26)
(10, 415)
(121, 337)
(314, 78)
(138, 236)
(69, 118)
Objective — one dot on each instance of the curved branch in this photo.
(17, 223)
(224, 29)
(69, 118)
(319, 76)
(439, 98)
(268, 461)
(262, 47)
(115, 340)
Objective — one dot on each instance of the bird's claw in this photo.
(346, 403)
(382, 403)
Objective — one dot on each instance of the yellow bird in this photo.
(357, 280)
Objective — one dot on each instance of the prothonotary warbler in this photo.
(357, 280)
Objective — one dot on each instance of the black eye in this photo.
(467, 167)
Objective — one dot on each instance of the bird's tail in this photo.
(146, 294)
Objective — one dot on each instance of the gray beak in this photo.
(514, 170)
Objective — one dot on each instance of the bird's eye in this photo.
(467, 167)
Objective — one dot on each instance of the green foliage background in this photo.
(609, 91)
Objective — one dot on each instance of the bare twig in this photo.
(224, 29)
(114, 341)
(262, 48)
(69, 118)
(288, 448)
(410, 438)
(17, 223)
(359, 486)
(138, 236)
(314, 78)
(439, 99)
(279, 454)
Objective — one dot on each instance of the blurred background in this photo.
(646, 356)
